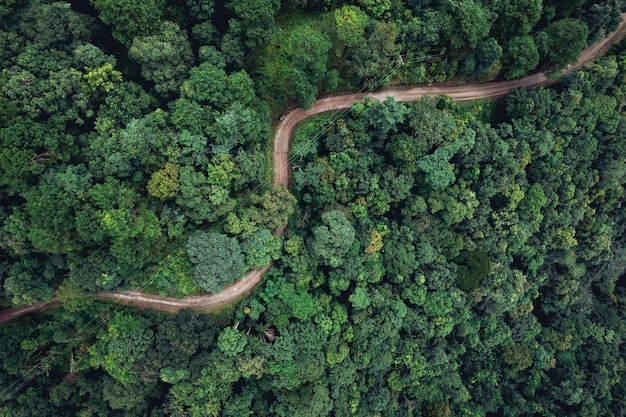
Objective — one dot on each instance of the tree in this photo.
(126, 102)
(217, 260)
(371, 61)
(274, 207)
(517, 18)
(405, 151)
(234, 51)
(487, 54)
(566, 40)
(385, 116)
(377, 8)
(259, 248)
(350, 22)
(30, 280)
(46, 221)
(165, 57)
(124, 343)
(100, 79)
(473, 22)
(17, 169)
(52, 27)
(210, 85)
(308, 49)
(201, 9)
(60, 94)
(164, 183)
(193, 194)
(332, 240)
(302, 89)
(130, 397)
(238, 125)
(520, 57)
(438, 169)
(231, 342)
(129, 18)
(472, 268)
(359, 298)
(437, 304)
(601, 18)
(256, 19)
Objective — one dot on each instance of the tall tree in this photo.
(566, 40)
(217, 260)
(129, 18)
(165, 57)
(332, 240)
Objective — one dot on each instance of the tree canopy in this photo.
(428, 258)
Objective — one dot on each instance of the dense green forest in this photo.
(441, 258)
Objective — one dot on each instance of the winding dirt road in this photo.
(282, 176)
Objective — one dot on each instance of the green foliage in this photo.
(30, 281)
(173, 376)
(231, 342)
(520, 56)
(101, 78)
(473, 22)
(164, 183)
(566, 40)
(332, 240)
(217, 260)
(385, 116)
(257, 19)
(350, 24)
(125, 342)
(259, 248)
(128, 18)
(372, 59)
(437, 304)
(274, 207)
(165, 57)
(359, 298)
(473, 267)
(534, 199)
(442, 259)
(201, 9)
(298, 62)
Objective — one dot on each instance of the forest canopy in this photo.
(438, 258)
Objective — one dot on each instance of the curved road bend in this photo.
(280, 159)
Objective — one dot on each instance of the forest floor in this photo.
(282, 172)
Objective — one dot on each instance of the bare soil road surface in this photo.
(281, 165)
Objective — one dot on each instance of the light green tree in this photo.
(350, 24)
(164, 183)
(231, 342)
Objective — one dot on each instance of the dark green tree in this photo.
(566, 40)
(217, 260)
(520, 56)
(128, 18)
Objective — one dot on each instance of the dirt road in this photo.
(281, 166)
(200, 302)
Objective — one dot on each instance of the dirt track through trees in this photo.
(281, 167)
